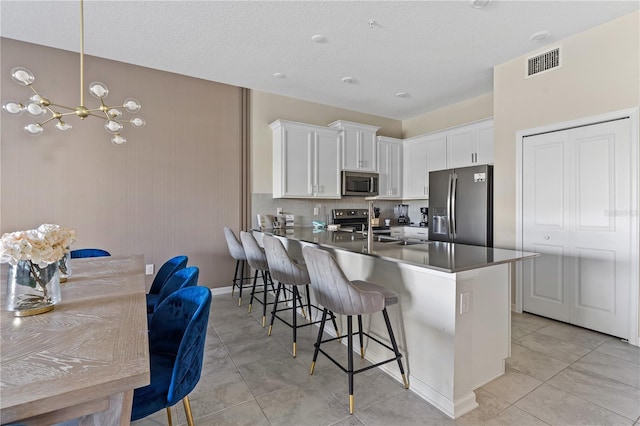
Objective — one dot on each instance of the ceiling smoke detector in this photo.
(402, 94)
(348, 80)
(319, 38)
(478, 4)
(540, 35)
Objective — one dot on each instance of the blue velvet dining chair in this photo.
(169, 268)
(177, 335)
(186, 277)
(89, 252)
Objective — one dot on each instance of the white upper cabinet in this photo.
(359, 145)
(389, 168)
(470, 144)
(422, 154)
(306, 161)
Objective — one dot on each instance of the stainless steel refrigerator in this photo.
(461, 205)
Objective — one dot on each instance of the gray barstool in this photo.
(237, 252)
(287, 271)
(337, 294)
(258, 261)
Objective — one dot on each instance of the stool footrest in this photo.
(378, 364)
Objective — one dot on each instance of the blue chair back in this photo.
(177, 334)
(186, 277)
(169, 267)
(89, 252)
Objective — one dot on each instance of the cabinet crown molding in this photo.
(342, 123)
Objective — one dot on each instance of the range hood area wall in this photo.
(264, 203)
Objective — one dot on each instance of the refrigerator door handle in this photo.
(449, 224)
(453, 205)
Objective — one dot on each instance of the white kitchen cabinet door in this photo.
(436, 152)
(423, 154)
(327, 164)
(470, 145)
(389, 168)
(415, 168)
(306, 161)
(416, 233)
(460, 148)
(484, 144)
(359, 145)
(576, 188)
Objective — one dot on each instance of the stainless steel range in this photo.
(355, 220)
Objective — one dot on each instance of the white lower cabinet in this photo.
(306, 161)
(416, 233)
(389, 168)
(410, 232)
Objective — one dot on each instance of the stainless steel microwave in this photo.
(359, 183)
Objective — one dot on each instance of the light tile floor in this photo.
(557, 375)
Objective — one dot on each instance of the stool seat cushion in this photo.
(390, 296)
(334, 291)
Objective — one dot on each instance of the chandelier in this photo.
(40, 106)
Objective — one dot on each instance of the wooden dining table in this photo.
(84, 358)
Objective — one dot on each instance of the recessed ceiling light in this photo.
(319, 38)
(478, 4)
(402, 94)
(348, 80)
(278, 75)
(540, 35)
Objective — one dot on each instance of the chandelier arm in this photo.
(66, 113)
(48, 120)
(34, 89)
(95, 115)
(59, 106)
(95, 110)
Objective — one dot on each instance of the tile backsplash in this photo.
(303, 209)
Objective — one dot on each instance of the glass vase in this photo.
(64, 265)
(31, 289)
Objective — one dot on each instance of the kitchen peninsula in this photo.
(453, 319)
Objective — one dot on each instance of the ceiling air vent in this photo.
(544, 62)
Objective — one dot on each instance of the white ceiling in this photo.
(440, 52)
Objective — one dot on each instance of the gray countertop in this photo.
(440, 256)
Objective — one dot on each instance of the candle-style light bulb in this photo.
(13, 107)
(22, 76)
(33, 129)
(118, 140)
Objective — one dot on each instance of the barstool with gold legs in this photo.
(286, 271)
(258, 261)
(237, 252)
(337, 294)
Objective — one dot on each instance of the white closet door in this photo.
(545, 228)
(576, 186)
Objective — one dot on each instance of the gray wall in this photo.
(168, 191)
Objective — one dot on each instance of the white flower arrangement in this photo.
(42, 246)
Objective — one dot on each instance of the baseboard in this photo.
(220, 290)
